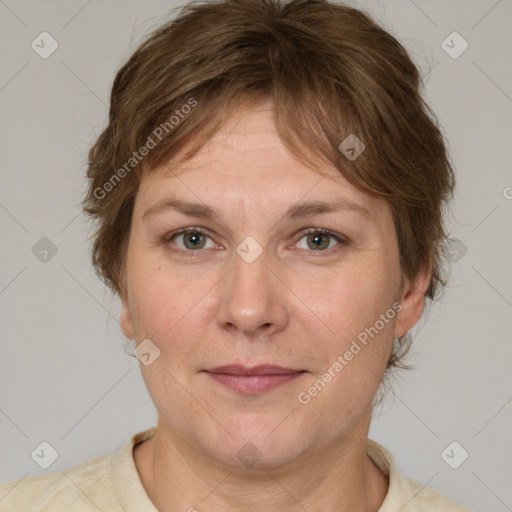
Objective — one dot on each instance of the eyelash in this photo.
(171, 236)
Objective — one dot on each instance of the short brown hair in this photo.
(330, 72)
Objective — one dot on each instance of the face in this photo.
(276, 264)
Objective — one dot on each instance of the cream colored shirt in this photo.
(111, 483)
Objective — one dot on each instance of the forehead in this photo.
(245, 162)
(247, 136)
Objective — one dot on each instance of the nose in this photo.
(253, 300)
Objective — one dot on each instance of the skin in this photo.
(293, 306)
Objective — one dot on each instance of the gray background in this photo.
(64, 375)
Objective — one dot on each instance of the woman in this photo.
(269, 195)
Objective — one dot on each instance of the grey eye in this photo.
(317, 241)
(193, 240)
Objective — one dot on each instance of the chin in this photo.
(254, 445)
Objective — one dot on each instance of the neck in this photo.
(177, 476)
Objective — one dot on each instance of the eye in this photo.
(319, 240)
(191, 240)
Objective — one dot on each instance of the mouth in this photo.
(253, 380)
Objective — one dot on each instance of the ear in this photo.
(412, 301)
(125, 321)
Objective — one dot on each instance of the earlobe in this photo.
(412, 301)
(126, 321)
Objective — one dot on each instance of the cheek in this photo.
(354, 351)
(175, 309)
(353, 341)
(160, 302)
(351, 299)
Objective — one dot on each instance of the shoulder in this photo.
(110, 483)
(87, 486)
(405, 494)
(424, 499)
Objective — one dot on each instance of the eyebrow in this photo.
(295, 212)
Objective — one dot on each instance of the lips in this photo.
(253, 380)
(264, 369)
